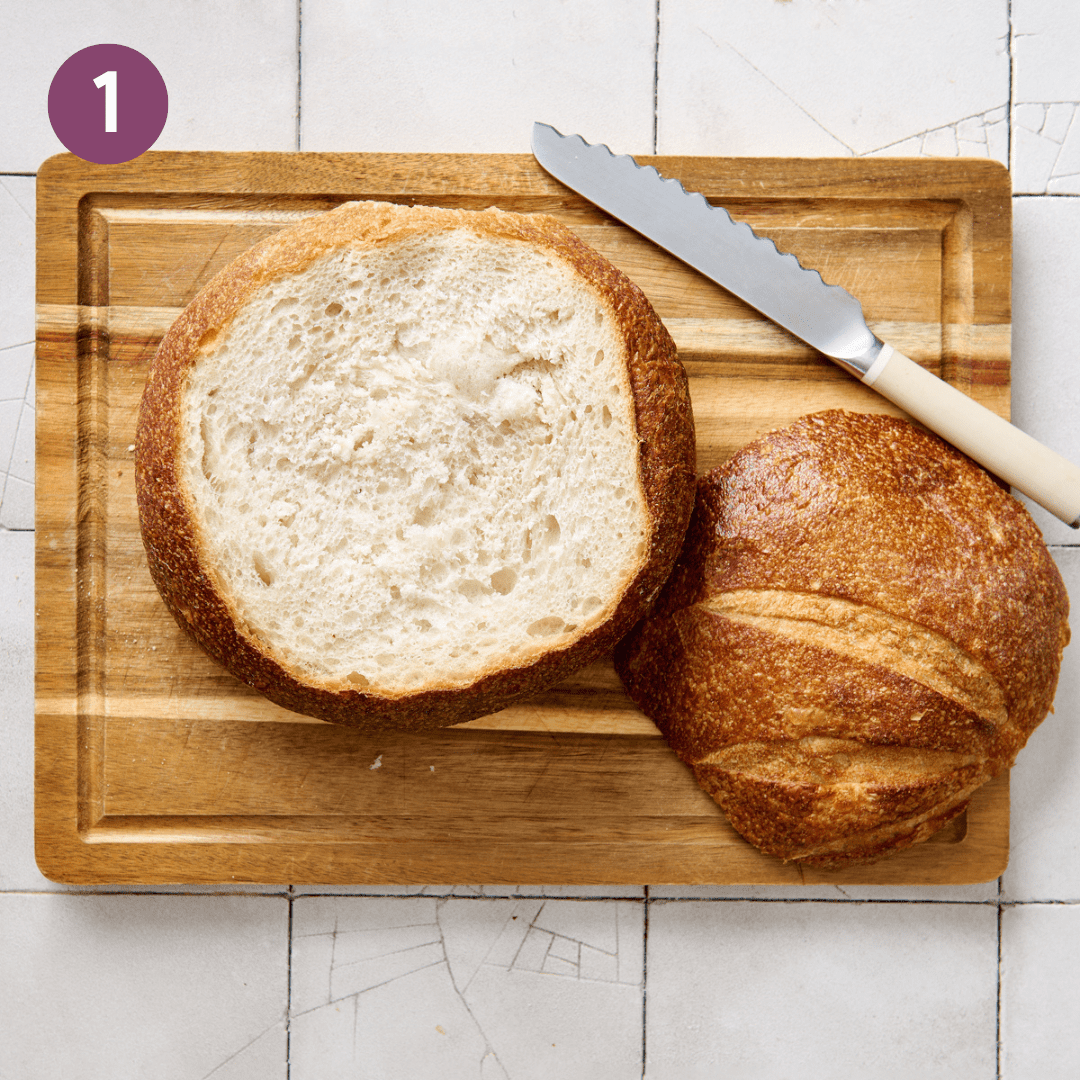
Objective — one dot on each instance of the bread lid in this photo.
(862, 629)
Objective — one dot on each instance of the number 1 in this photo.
(108, 80)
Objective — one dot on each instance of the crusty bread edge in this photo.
(665, 431)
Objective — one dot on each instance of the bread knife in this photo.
(826, 317)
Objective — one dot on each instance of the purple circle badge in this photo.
(108, 104)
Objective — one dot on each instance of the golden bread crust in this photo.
(176, 556)
(862, 628)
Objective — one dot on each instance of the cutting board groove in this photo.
(154, 765)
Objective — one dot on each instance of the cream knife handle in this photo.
(1005, 450)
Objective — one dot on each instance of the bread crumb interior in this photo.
(418, 463)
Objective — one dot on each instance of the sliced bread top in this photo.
(401, 452)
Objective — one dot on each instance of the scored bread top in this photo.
(865, 528)
(401, 465)
(861, 630)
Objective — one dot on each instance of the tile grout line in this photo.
(288, 986)
(291, 894)
(656, 81)
(1012, 79)
(997, 1013)
(299, 65)
(644, 987)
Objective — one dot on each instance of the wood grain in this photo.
(154, 765)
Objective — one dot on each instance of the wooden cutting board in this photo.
(154, 765)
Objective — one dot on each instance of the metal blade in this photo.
(705, 237)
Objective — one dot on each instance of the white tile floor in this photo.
(472, 77)
(486, 983)
(740, 79)
(773, 990)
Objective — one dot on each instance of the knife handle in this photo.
(1009, 453)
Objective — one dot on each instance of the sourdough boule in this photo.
(862, 629)
(398, 467)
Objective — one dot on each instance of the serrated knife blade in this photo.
(827, 317)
